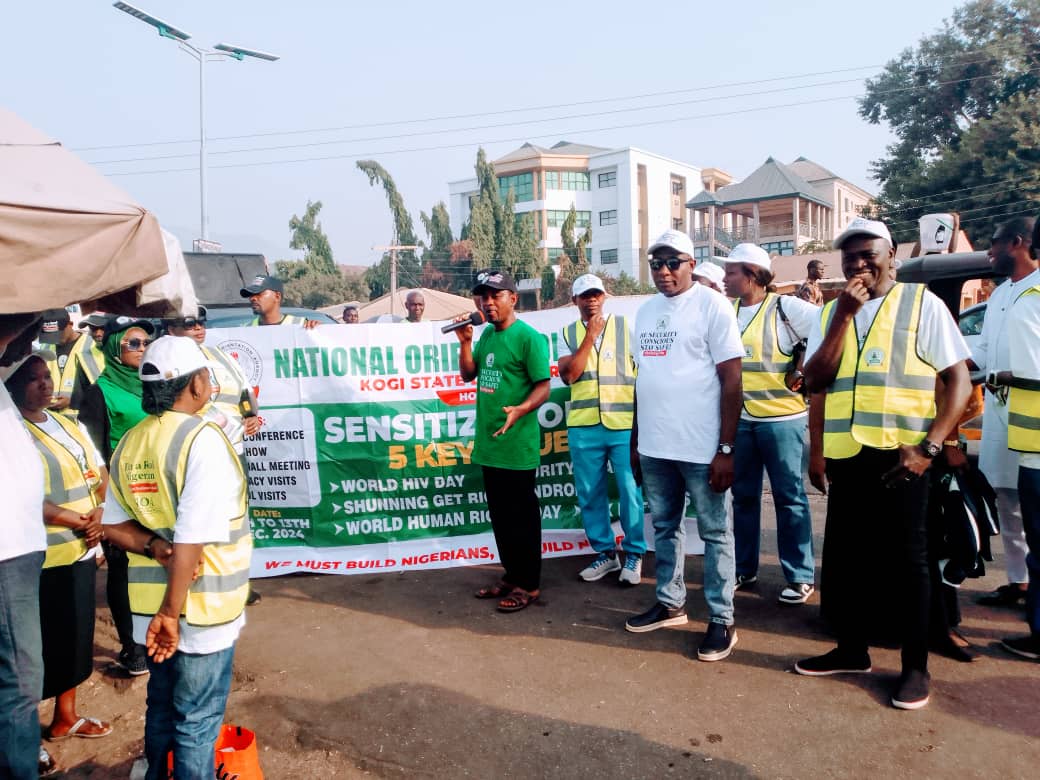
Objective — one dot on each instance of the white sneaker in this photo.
(632, 573)
(798, 593)
(601, 566)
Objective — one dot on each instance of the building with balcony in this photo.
(627, 197)
(779, 207)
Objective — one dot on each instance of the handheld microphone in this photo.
(475, 318)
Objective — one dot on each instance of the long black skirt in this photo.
(67, 625)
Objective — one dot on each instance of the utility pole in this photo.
(393, 249)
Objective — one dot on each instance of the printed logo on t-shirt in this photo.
(489, 378)
(657, 342)
(875, 357)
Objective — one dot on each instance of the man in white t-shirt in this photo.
(1024, 438)
(688, 351)
(876, 351)
(1010, 256)
(22, 547)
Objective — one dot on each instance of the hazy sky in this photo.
(378, 79)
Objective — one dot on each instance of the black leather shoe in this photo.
(658, 616)
(1004, 596)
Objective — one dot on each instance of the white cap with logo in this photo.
(861, 226)
(750, 254)
(171, 357)
(710, 271)
(586, 282)
(674, 239)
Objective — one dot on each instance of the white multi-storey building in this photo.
(627, 196)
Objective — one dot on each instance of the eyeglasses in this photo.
(188, 323)
(673, 263)
(133, 345)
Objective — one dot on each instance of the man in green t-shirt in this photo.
(511, 366)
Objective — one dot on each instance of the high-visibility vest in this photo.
(1024, 409)
(765, 364)
(883, 395)
(90, 358)
(605, 391)
(65, 378)
(68, 484)
(147, 477)
(287, 319)
(229, 397)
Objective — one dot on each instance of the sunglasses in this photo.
(189, 322)
(133, 345)
(673, 263)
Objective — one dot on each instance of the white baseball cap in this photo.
(675, 239)
(710, 271)
(861, 226)
(750, 254)
(44, 353)
(586, 282)
(170, 357)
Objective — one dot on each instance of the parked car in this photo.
(970, 322)
(235, 316)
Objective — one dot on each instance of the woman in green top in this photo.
(111, 407)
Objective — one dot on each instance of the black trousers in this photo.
(516, 519)
(876, 544)
(118, 594)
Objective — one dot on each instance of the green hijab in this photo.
(120, 385)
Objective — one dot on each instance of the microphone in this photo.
(475, 318)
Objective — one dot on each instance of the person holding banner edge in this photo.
(511, 365)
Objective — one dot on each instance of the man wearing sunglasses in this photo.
(688, 400)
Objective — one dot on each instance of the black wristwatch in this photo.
(149, 553)
(930, 449)
(725, 448)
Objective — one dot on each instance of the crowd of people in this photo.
(131, 447)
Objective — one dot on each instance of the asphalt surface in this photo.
(407, 675)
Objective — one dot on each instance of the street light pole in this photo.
(167, 30)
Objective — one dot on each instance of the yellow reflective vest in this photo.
(147, 477)
(883, 395)
(67, 483)
(65, 378)
(287, 319)
(90, 358)
(229, 397)
(1024, 409)
(765, 364)
(605, 391)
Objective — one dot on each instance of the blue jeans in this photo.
(187, 695)
(1029, 496)
(21, 666)
(778, 447)
(666, 484)
(591, 447)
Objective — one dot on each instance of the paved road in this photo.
(407, 675)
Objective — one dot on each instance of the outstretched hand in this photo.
(162, 638)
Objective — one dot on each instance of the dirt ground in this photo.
(407, 675)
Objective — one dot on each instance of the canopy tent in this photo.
(69, 235)
(439, 305)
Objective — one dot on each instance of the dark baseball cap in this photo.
(261, 283)
(54, 322)
(95, 320)
(493, 279)
(119, 324)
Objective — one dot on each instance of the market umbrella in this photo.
(67, 235)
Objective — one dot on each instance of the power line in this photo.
(545, 120)
(548, 107)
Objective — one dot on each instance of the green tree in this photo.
(308, 236)
(627, 285)
(570, 246)
(963, 108)
(437, 267)
(408, 267)
(548, 283)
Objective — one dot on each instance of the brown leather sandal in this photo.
(517, 600)
(496, 591)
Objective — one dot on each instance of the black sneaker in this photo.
(133, 661)
(1004, 596)
(1024, 646)
(745, 581)
(837, 661)
(658, 616)
(911, 690)
(717, 643)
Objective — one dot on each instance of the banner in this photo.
(364, 458)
